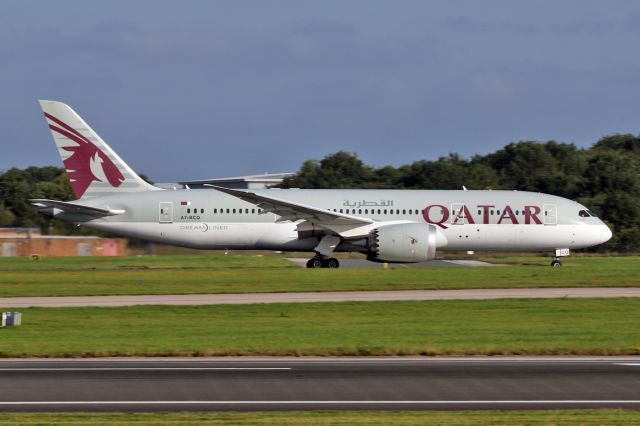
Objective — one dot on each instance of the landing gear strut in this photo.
(556, 258)
(323, 262)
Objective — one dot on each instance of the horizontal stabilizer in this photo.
(70, 207)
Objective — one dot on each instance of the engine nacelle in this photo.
(403, 242)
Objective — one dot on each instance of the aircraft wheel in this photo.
(315, 262)
(332, 263)
(556, 263)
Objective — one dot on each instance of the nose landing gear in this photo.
(558, 254)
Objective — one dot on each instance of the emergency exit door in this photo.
(550, 214)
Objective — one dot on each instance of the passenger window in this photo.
(188, 210)
(253, 211)
(366, 211)
(227, 211)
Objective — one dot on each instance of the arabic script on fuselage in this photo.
(365, 203)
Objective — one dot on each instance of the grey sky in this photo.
(199, 89)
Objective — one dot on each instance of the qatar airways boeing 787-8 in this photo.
(385, 225)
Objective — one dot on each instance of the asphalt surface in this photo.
(295, 384)
(337, 296)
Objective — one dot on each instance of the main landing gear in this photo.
(325, 247)
(323, 262)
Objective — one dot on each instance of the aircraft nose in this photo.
(605, 234)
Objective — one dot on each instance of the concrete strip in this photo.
(346, 296)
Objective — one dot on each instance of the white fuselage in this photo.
(465, 220)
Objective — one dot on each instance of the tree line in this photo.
(604, 177)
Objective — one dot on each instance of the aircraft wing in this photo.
(74, 208)
(288, 210)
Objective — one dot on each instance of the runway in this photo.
(308, 297)
(301, 384)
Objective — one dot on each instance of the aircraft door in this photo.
(165, 212)
(457, 214)
(550, 214)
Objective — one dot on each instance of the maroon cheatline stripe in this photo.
(66, 126)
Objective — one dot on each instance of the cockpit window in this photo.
(586, 213)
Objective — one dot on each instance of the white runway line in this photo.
(428, 402)
(148, 369)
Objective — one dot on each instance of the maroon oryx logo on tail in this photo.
(87, 163)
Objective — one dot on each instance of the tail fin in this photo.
(92, 166)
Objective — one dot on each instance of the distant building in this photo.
(30, 242)
(238, 182)
(20, 232)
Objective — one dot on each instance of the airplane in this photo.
(395, 226)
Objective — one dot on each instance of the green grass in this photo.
(334, 418)
(504, 327)
(239, 274)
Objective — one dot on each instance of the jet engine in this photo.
(403, 242)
